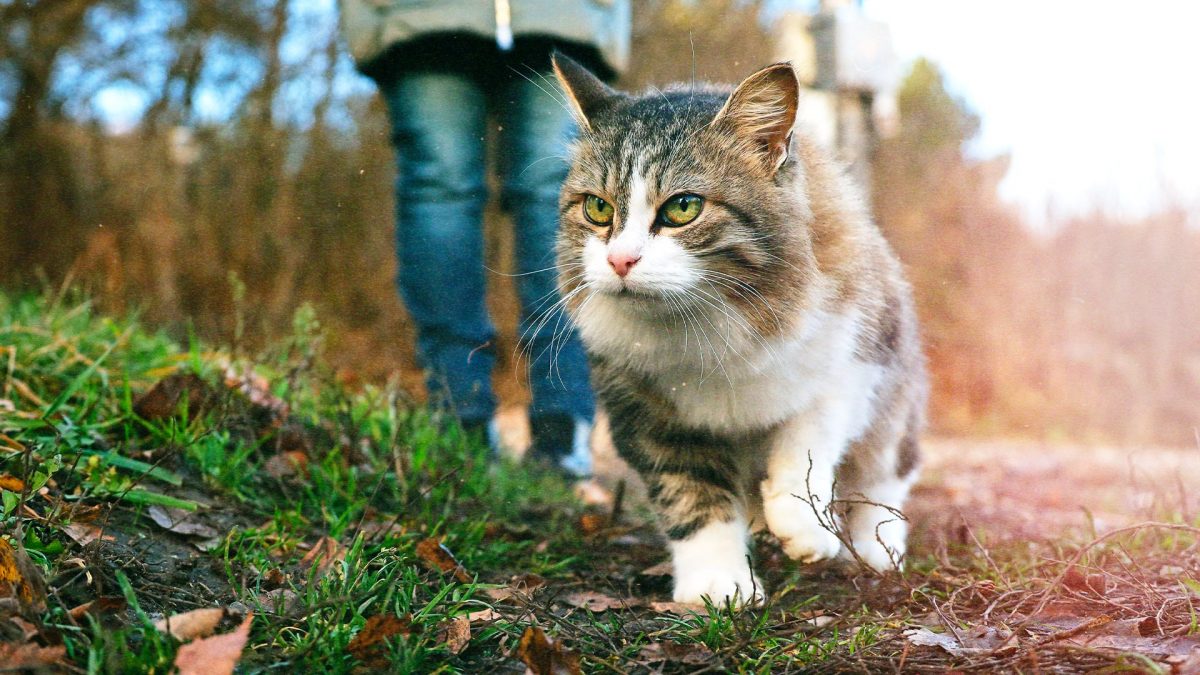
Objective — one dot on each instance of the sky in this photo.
(1096, 101)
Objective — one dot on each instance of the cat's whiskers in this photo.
(554, 92)
(529, 335)
(557, 268)
(718, 303)
(734, 285)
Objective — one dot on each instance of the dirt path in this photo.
(1012, 490)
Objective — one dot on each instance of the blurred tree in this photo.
(941, 212)
(702, 40)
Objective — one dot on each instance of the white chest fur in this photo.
(722, 377)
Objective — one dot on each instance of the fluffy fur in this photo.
(761, 364)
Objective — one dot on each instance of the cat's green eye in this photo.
(681, 210)
(597, 211)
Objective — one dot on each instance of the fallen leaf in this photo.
(110, 604)
(181, 521)
(274, 578)
(677, 608)
(591, 523)
(969, 641)
(21, 579)
(281, 600)
(455, 633)
(217, 655)
(484, 616)
(323, 555)
(599, 602)
(85, 533)
(11, 483)
(521, 585)
(662, 569)
(28, 630)
(164, 398)
(191, 625)
(923, 637)
(1077, 580)
(543, 656)
(439, 558)
(29, 656)
(693, 654)
(287, 464)
(257, 389)
(370, 644)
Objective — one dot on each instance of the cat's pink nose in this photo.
(623, 262)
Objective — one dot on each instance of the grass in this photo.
(316, 506)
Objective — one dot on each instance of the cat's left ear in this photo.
(585, 92)
(763, 109)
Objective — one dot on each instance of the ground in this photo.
(195, 507)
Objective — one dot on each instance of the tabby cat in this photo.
(751, 334)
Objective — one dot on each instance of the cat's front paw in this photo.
(799, 530)
(808, 545)
(718, 583)
(877, 556)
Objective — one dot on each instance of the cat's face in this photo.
(682, 200)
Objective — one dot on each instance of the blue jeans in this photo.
(439, 126)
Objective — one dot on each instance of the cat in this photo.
(750, 332)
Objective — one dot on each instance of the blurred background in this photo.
(215, 164)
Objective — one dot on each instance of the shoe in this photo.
(564, 442)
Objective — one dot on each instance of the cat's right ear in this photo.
(585, 92)
(763, 110)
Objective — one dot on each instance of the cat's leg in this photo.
(874, 495)
(706, 525)
(798, 491)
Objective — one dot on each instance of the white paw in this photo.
(877, 556)
(810, 544)
(803, 536)
(718, 583)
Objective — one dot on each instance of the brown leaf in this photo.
(543, 656)
(484, 616)
(521, 585)
(287, 464)
(257, 390)
(110, 604)
(217, 655)
(164, 398)
(439, 558)
(11, 483)
(28, 630)
(274, 578)
(191, 625)
(677, 608)
(370, 644)
(281, 600)
(29, 656)
(455, 633)
(1077, 580)
(591, 523)
(662, 569)
(599, 602)
(21, 579)
(323, 555)
(181, 521)
(694, 654)
(85, 533)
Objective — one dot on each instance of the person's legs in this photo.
(439, 124)
(536, 128)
